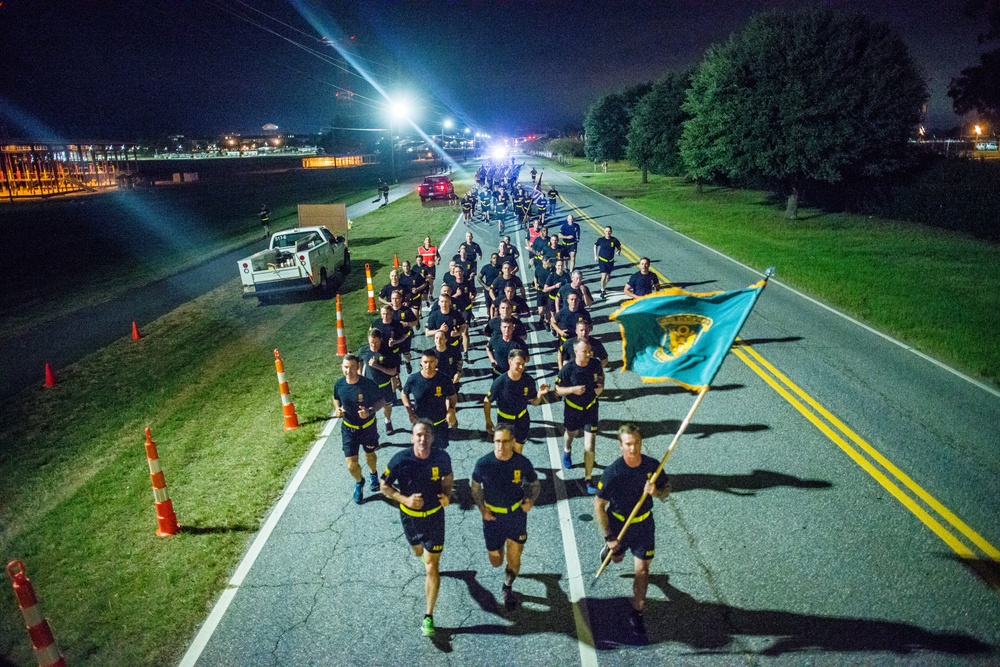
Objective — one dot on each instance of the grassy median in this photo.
(75, 494)
(936, 290)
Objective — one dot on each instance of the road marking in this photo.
(574, 572)
(778, 381)
(219, 610)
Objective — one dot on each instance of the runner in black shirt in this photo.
(356, 399)
(543, 269)
(564, 321)
(500, 346)
(506, 309)
(431, 395)
(403, 315)
(447, 319)
(487, 275)
(621, 487)
(421, 480)
(579, 383)
(512, 392)
(583, 329)
(380, 367)
(449, 358)
(504, 488)
(643, 282)
(605, 250)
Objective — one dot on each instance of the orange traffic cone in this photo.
(166, 520)
(135, 332)
(395, 261)
(42, 642)
(287, 407)
(50, 377)
(341, 338)
(371, 289)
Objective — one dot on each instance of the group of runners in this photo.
(438, 323)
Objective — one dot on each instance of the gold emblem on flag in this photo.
(680, 332)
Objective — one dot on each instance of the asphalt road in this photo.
(835, 502)
(70, 338)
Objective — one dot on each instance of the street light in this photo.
(397, 110)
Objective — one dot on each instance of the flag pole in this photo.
(659, 469)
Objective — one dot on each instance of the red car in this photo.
(436, 187)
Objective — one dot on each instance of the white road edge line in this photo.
(905, 346)
(574, 572)
(206, 631)
(219, 610)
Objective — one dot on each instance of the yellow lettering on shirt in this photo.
(435, 474)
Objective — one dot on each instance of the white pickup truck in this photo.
(303, 258)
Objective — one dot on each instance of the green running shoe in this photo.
(428, 626)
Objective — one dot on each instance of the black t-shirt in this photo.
(512, 396)
(453, 318)
(500, 283)
(642, 284)
(449, 360)
(556, 279)
(461, 294)
(489, 273)
(539, 245)
(566, 349)
(353, 396)
(541, 274)
(501, 348)
(566, 319)
(387, 291)
(378, 377)
(392, 331)
(404, 316)
(413, 282)
(572, 230)
(621, 485)
(409, 475)
(606, 248)
(508, 259)
(571, 375)
(492, 328)
(472, 250)
(568, 289)
(429, 396)
(468, 265)
(502, 480)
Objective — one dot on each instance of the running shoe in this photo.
(591, 487)
(509, 598)
(604, 294)
(373, 479)
(567, 460)
(388, 427)
(359, 492)
(427, 627)
(638, 623)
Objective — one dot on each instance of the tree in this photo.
(656, 127)
(607, 121)
(799, 97)
(976, 88)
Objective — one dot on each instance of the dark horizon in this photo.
(138, 71)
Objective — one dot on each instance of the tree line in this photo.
(795, 100)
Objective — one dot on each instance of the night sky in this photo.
(132, 69)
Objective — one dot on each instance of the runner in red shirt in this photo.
(431, 258)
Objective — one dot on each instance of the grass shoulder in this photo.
(75, 500)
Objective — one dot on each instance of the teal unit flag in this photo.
(678, 336)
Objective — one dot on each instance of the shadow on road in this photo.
(743, 485)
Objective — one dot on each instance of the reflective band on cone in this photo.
(42, 641)
(341, 338)
(166, 520)
(371, 289)
(287, 407)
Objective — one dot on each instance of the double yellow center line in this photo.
(954, 532)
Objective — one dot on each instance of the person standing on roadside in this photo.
(606, 249)
(504, 488)
(265, 220)
(620, 488)
(420, 480)
(356, 400)
(642, 282)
